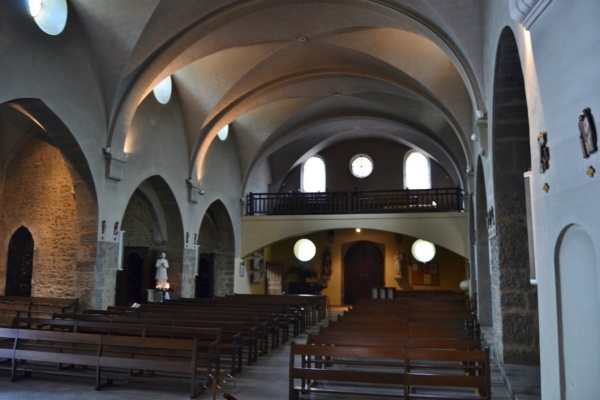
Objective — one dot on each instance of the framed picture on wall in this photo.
(425, 274)
(587, 133)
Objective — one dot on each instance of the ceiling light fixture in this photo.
(302, 39)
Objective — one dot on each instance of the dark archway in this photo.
(363, 270)
(216, 241)
(20, 263)
(205, 280)
(514, 300)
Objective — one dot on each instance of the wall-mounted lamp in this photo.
(474, 137)
(358, 230)
(423, 250)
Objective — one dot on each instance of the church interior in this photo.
(335, 154)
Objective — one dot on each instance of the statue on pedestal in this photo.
(161, 274)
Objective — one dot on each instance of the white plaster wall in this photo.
(561, 79)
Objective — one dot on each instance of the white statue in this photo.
(161, 272)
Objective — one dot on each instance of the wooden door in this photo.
(274, 274)
(134, 280)
(20, 263)
(363, 270)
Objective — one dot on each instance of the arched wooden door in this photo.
(20, 263)
(363, 270)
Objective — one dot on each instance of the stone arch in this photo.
(578, 303)
(47, 186)
(152, 224)
(216, 237)
(514, 300)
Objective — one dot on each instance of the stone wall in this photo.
(39, 194)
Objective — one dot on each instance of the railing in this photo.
(371, 202)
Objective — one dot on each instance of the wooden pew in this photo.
(276, 315)
(348, 370)
(256, 330)
(17, 306)
(232, 333)
(447, 374)
(373, 340)
(209, 340)
(389, 371)
(105, 355)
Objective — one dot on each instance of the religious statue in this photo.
(398, 263)
(161, 272)
(326, 263)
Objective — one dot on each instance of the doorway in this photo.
(20, 263)
(363, 270)
(205, 277)
(135, 277)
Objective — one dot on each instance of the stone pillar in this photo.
(106, 274)
(514, 300)
(224, 274)
(188, 273)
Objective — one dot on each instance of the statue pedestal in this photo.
(155, 296)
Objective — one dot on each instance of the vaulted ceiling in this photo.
(293, 77)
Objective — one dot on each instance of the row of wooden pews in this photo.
(188, 340)
(413, 347)
(22, 306)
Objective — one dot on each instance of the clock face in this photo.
(361, 166)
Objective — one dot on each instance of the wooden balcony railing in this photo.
(370, 202)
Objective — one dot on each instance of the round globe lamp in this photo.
(304, 250)
(423, 250)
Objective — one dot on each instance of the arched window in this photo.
(417, 174)
(313, 175)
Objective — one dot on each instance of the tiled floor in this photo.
(265, 380)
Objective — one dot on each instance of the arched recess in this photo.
(482, 269)
(578, 313)
(514, 300)
(20, 263)
(216, 245)
(152, 223)
(47, 186)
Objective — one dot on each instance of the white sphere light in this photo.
(304, 250)
(423, 250)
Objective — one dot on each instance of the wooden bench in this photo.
(372, 340)
(106, 356)
(346, 370)
(255, 337)
(231, 333)
(389, 371)
(17, 306)
(209, 340)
